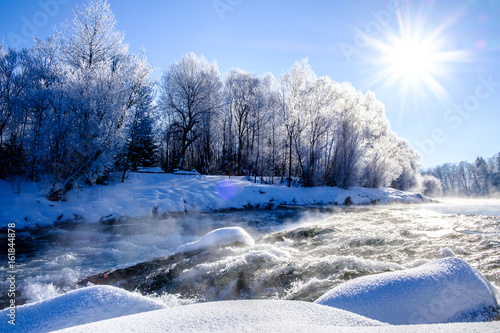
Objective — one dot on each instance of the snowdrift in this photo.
(218, 237)
(77, 307)
(234, 316)
(443, 291)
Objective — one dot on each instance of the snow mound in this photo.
(77, 307)
(234, 316)
(218, 237)
(443, 291)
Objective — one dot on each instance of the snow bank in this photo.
(77, 307)
(151, 194)
(264, 316)
(234, 316)
(446, 290)
(218, 237)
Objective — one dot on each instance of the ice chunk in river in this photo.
(218, 237)
(446, 290)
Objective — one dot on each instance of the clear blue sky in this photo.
(447, 106)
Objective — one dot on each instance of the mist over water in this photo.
(466, 206)
(298, 254)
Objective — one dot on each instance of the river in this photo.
(299, 253)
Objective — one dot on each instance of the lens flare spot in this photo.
(480, 44)
(227, 189)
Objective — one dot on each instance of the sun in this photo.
(410, 59)
(416, 59)
(413, 65)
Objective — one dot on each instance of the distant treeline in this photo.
(79, 107)
(481, 178)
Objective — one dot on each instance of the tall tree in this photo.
(12, 87)
(295, 86)
(347, 139)
(245, 97)
(92, 38)
(189, 90)
(13, 117)
(103, 87)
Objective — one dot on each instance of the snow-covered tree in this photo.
(273, 160)
(142, 146)
(347, 140)
(12, 88)
(91, 37)
(13, 116)
(432, 186)
(103, 88)
(407, 176)
(295, 86)
(245, 100)
(189, 92)
(480, 178)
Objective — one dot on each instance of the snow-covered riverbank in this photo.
(149, 194)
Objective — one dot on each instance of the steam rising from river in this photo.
(298, 254)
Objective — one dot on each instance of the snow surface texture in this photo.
(218, 237)
(446, 290)
(233, 316)
(150, 194)
(263, 316)
(77, 307)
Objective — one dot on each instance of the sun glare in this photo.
(410, 59)
(413, 60)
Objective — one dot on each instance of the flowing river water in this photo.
(299, 253)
